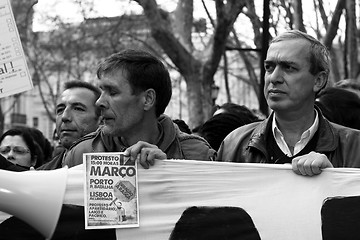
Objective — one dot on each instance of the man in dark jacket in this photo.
(76, 116)
(135, 90)
(297, 68)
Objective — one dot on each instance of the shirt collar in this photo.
(305, 137)
(313, 128)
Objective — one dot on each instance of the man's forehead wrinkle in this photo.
(280, 61)
(107, 85)
(75, 103)
(71, 103)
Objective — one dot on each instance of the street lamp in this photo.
(214, 92)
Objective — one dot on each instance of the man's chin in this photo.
(67, 142)
(277, 106)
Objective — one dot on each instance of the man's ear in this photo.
(320, 81)
(149, 99)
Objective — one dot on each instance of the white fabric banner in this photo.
(278, 203)
(281, 204)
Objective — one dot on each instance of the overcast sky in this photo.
(70, 12)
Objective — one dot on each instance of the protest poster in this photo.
(111, 191)
(14, 72)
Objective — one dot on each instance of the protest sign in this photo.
(111, 199)
(14, 73)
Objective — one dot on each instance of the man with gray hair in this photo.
(297, 68)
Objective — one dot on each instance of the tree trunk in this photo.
(264, 108)
(195, 101)
(352, 50)
(198, 68)
(183, 22)
(334, 24)
(226, 78)
(298, 16)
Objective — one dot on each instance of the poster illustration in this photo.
(14, 73)
(111, 195)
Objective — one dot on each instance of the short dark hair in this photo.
(215, 129)
(87, 85)
(182, 126)
(41, 140)
(143, 71)
(340, 106)
(240, 110)
(208, 223)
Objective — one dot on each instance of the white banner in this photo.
(281, 204)
(250, 201)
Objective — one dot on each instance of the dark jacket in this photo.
(55, 163)
(176, 144)
(247, 144)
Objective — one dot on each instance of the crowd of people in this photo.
(307, 128)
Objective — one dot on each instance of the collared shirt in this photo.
(305, 137)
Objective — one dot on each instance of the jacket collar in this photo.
(328, 136)
(326, 142)
(259, 135)
(168, 134)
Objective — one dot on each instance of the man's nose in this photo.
(102, 101)
(66, 115)
(276, 76)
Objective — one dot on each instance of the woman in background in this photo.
(20, 148)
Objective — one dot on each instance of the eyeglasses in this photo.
(16, 149)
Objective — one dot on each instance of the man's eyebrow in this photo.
(72, 104)
(59, 105)
(78, 104)
(105, 86)
(287, 62)
(268, 61)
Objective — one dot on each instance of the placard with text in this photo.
(14, 72)
(111, 191)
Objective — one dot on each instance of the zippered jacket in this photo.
(247, 144)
